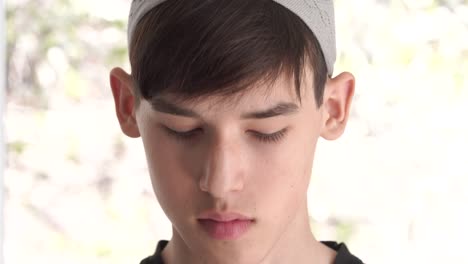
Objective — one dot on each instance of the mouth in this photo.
(225, 226)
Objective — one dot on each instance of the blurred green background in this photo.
(394, 187)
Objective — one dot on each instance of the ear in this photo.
(122, 89)
(338, 95)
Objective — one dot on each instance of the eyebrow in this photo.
(277, 110)
(164, 106)
(283, 108)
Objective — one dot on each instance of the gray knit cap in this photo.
(317, 14)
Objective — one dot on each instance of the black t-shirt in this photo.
(343, 255)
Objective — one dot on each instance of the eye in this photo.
(182, 135)
(270, 138)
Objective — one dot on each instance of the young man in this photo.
(230, 98)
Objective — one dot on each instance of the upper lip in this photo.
(222, 216)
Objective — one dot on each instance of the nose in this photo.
(223, 171)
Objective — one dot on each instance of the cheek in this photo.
(283, 174)
(170, 177)
(291, 161)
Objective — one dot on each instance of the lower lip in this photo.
(225, 230)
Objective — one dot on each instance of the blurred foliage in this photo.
(345, 231)
(17, 147)
(55, 47)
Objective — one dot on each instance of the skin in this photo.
(226, 166)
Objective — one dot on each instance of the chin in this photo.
(234, 252)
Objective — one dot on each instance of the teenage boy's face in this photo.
(232, 175)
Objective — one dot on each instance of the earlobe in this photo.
(338, 96)
(125, 101)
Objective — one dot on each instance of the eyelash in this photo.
(264, 138)
(183, 136)
(271, 138)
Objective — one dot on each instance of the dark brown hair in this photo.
(196, 48)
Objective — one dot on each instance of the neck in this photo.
(298, 244)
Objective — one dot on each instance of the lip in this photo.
(225, 226)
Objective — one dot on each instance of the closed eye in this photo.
(182, 135)
(270, 138)
(192, 134)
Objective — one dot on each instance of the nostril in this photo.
(203, 184)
